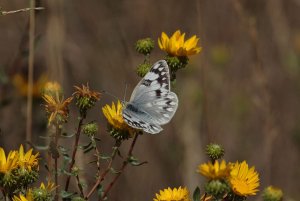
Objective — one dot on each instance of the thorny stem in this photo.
(101, 178)
(125, 163)
(79, 186)
(57, 134)
(20, 10)
(74, 151)
(98, 158)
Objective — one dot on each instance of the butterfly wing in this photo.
(151, 101)
(140, 120)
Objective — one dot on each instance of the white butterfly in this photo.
(151, 104)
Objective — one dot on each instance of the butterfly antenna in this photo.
(110, 94)
(124, 98)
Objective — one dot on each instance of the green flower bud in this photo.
(26, 177)
(119, 135)
(272, 194)
(143, 68)
(217, 188)
(176, 63)
(90, 129)
(8, 181)
(144, 46)
(214, 151)
(78, 199)
(40, 194)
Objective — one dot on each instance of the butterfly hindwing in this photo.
(140, 120)
(151, 103)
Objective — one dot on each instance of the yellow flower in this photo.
(244, 180)
(49, 187)
(27, 160)
(21, 197)
(177, 46)
(180, 194)
(114, 116)
(21, 84)
(214, 171)
(8, 163)
(52, 88)
(55, 105)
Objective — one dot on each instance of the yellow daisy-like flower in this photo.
(244, 180)
(8, 163)
(180, 194)
(21, 197)
(215, 171)
(52, 88)
(49, 187)
(114, 116)
(27, 160)
(21, 85)
(177, 46)
(55, 105)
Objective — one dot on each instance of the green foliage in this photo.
(196, 194)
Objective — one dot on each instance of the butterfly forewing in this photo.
(156, 81)
(151, 103)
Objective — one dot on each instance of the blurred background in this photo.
(242, 91)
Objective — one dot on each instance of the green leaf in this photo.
(91, 162)
(196, 194)
(115, 171)
(104, 157)
(85, 146)
(65, 135)
(100, 190)
(65, 194)
(87, 150)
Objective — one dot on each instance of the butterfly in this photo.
(151, 104)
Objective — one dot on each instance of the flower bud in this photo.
(144, 46)
(272, 194)
(90, 129)
(176, 63)
(217, 188)
(214, 151)
(143, 68)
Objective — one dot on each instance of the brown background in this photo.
(242, 91)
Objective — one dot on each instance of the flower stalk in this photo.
(108, 168)
(125, 163)
(75, 147)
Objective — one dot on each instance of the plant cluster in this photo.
(19, 170)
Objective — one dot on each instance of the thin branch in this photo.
(57, 134)
(79, 186)
(21, 10)
(30, 72)
(101, 178)
(125, 163)
(74, 152)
